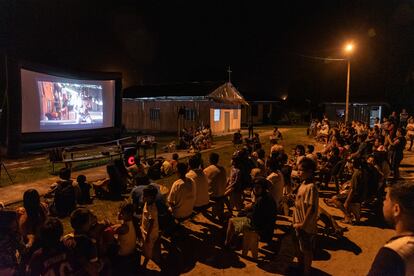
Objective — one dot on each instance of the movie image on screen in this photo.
(69, 104)
(53, 103)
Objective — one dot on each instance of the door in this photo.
(226, 121)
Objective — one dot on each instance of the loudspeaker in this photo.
(129, 155)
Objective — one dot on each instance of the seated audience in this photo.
(11, 244)
(260, 216)
(32, 216)
(182, 194)
(199, 179)
(65, 198)
(169, 167)
(84, 187)
(80, 245)
(52, 258)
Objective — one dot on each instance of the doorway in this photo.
(226, 121)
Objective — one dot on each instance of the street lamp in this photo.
(348, 49)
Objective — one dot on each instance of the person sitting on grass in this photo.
(84, 187)
(396, 257)
(260, 216)
(305, 214)
(169, 167)
(110, 188)
(64, 201)
(182, 194)
(149, 226)
(31, 217)
(126, 237)
(197, 175)
(11, 243)
(137, 170)
(53, 257)
(81, 246)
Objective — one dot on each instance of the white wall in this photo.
(219, 126)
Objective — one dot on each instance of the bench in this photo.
(68, 161)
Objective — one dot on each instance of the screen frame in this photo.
(16, 141)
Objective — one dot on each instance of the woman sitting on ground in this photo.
(32, 216)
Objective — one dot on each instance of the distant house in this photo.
(169, 108)
(361, 111)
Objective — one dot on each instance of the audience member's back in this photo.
(216, 177)
(65, 195)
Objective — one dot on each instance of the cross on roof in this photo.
(229, 71)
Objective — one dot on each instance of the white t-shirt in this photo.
(278, 182)
(216, 179)
(306, 197)
(150, 212)
(276, 148)
(182, 197)
(200, 186)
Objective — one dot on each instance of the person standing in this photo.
(305, 214)
(403, 118)
(396, 257)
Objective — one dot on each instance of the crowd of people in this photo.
(358, 163)
(195, 139)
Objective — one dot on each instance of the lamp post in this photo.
(348, 50)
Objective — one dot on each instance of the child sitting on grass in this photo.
(85, 197)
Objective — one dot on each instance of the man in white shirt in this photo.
(196, 174)
(182, 194)
(217, 182)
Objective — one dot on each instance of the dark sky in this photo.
(263, 41)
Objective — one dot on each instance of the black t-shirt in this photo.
(83, 248)
(263, 214)
(387, 262)
(56, 261)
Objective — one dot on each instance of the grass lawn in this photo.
(105, 209)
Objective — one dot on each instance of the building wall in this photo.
(258, 114)
(136, 115)
(219, 126)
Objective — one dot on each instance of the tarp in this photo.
(227, 94)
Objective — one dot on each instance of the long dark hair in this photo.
(31, 203)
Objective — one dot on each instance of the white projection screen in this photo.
(52, 103)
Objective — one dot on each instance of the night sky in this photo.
(264, 42)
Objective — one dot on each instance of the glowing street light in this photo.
(349, 48)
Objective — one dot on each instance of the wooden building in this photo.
(169, 108)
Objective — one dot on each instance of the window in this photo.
(216, 115)
(235, 114)
(154, 114)
(190, 114)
